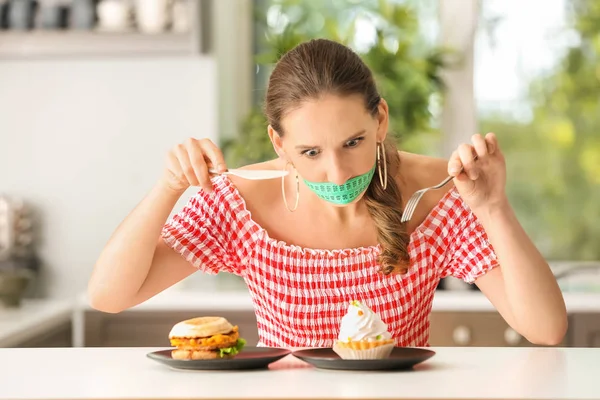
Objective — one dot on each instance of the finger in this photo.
(174, 168)
(480, 145)
(454, 164)
(198, 162)
(214, 154)
(185, 165)
(467, 159)
(492, 142)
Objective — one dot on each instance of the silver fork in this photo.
(411, 205)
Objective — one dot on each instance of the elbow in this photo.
(105, 308)
(552, 336)
(548, 340)
(103, 302)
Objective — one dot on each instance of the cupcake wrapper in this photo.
(373, 353)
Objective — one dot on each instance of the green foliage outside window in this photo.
(554, 159)
(407, 69)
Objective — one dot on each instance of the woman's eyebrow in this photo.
(306, 146)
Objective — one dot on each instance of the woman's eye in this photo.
(310, 153)
(353, 142)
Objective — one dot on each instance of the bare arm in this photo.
(136, 264)
(523, 289)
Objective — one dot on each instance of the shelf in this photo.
(48, 44)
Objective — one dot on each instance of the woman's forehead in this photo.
(331, 116)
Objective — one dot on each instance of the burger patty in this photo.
(219, 341)
(181, 354)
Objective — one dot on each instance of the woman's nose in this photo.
(337, 174)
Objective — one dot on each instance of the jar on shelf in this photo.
(153, 16)
(83, 14)
(182, 20)
(21, 14)
(114, 15)
(53, 14)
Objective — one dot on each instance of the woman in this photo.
(331, 231)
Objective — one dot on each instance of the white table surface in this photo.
(453, 373)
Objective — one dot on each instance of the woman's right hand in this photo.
(188, 164)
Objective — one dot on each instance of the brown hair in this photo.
(322, 66)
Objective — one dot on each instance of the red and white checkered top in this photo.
(300, 294)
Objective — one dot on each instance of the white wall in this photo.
(83, 141)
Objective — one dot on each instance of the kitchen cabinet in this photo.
(151, 328)
(584, 330)
(59, 336)
(486, 328)
(452, 328)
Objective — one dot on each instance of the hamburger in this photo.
(205, 338)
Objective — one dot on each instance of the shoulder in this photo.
(232, 193)
(234, 200)
(417, 172)
(258, 190)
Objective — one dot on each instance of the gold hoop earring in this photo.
(297, 190)
(382, 176)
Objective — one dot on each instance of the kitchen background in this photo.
(93, 93)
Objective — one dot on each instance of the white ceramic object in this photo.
(182, 12)
(114, 15)
(153, 16)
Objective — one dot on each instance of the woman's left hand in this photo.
(482, 182)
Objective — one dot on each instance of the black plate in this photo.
(249, 358)
(400, 358)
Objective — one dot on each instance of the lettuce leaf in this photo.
(233, 350)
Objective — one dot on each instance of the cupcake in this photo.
(363, 335)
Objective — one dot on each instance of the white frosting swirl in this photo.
(361, 323)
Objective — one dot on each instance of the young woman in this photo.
(331, 231)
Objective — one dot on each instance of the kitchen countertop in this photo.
(444, 300)
(453, 373)
(33, 318)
